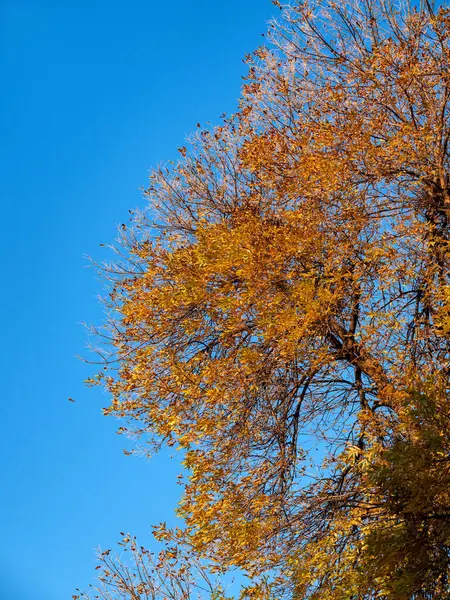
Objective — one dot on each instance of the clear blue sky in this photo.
(94, 94)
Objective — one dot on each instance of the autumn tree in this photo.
(281, 312)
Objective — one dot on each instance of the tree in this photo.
(282, 311)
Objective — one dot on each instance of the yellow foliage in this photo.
(284, 315)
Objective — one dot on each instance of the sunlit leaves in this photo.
(282, 311)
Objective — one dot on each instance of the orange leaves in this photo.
(235, 520)
(290, 307)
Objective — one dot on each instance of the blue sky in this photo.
(94, 94)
